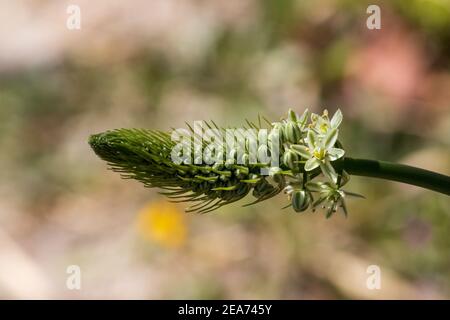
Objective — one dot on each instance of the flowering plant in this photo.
(312, 170)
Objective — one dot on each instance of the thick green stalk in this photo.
(398, 172)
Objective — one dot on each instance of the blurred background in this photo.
(156, 64)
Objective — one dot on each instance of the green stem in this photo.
(398, 172)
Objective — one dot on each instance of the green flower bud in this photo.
(300, 200)
(280, 128)
(289, 159)
(263, 154)
(245, 159)
(232, 154)
(292, 115)
(292, 132)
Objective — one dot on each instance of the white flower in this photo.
(322, 124)
(320, 152)
(330, 196)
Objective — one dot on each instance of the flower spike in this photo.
(300, 155)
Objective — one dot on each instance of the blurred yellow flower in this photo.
(163, 223)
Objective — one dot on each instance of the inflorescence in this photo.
(298, 155)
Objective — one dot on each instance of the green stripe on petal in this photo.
(311, 139)
(337, 119)
(303, 151)
(328, 170)
(311, 164)
(331, 138)
(335, 153)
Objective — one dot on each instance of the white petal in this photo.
(292, 115)
(311, 139)
(328, 171)
(335, 153)
(331, 138)
(304, 117)
(311, 164)
(337, 119)
(301, 150)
